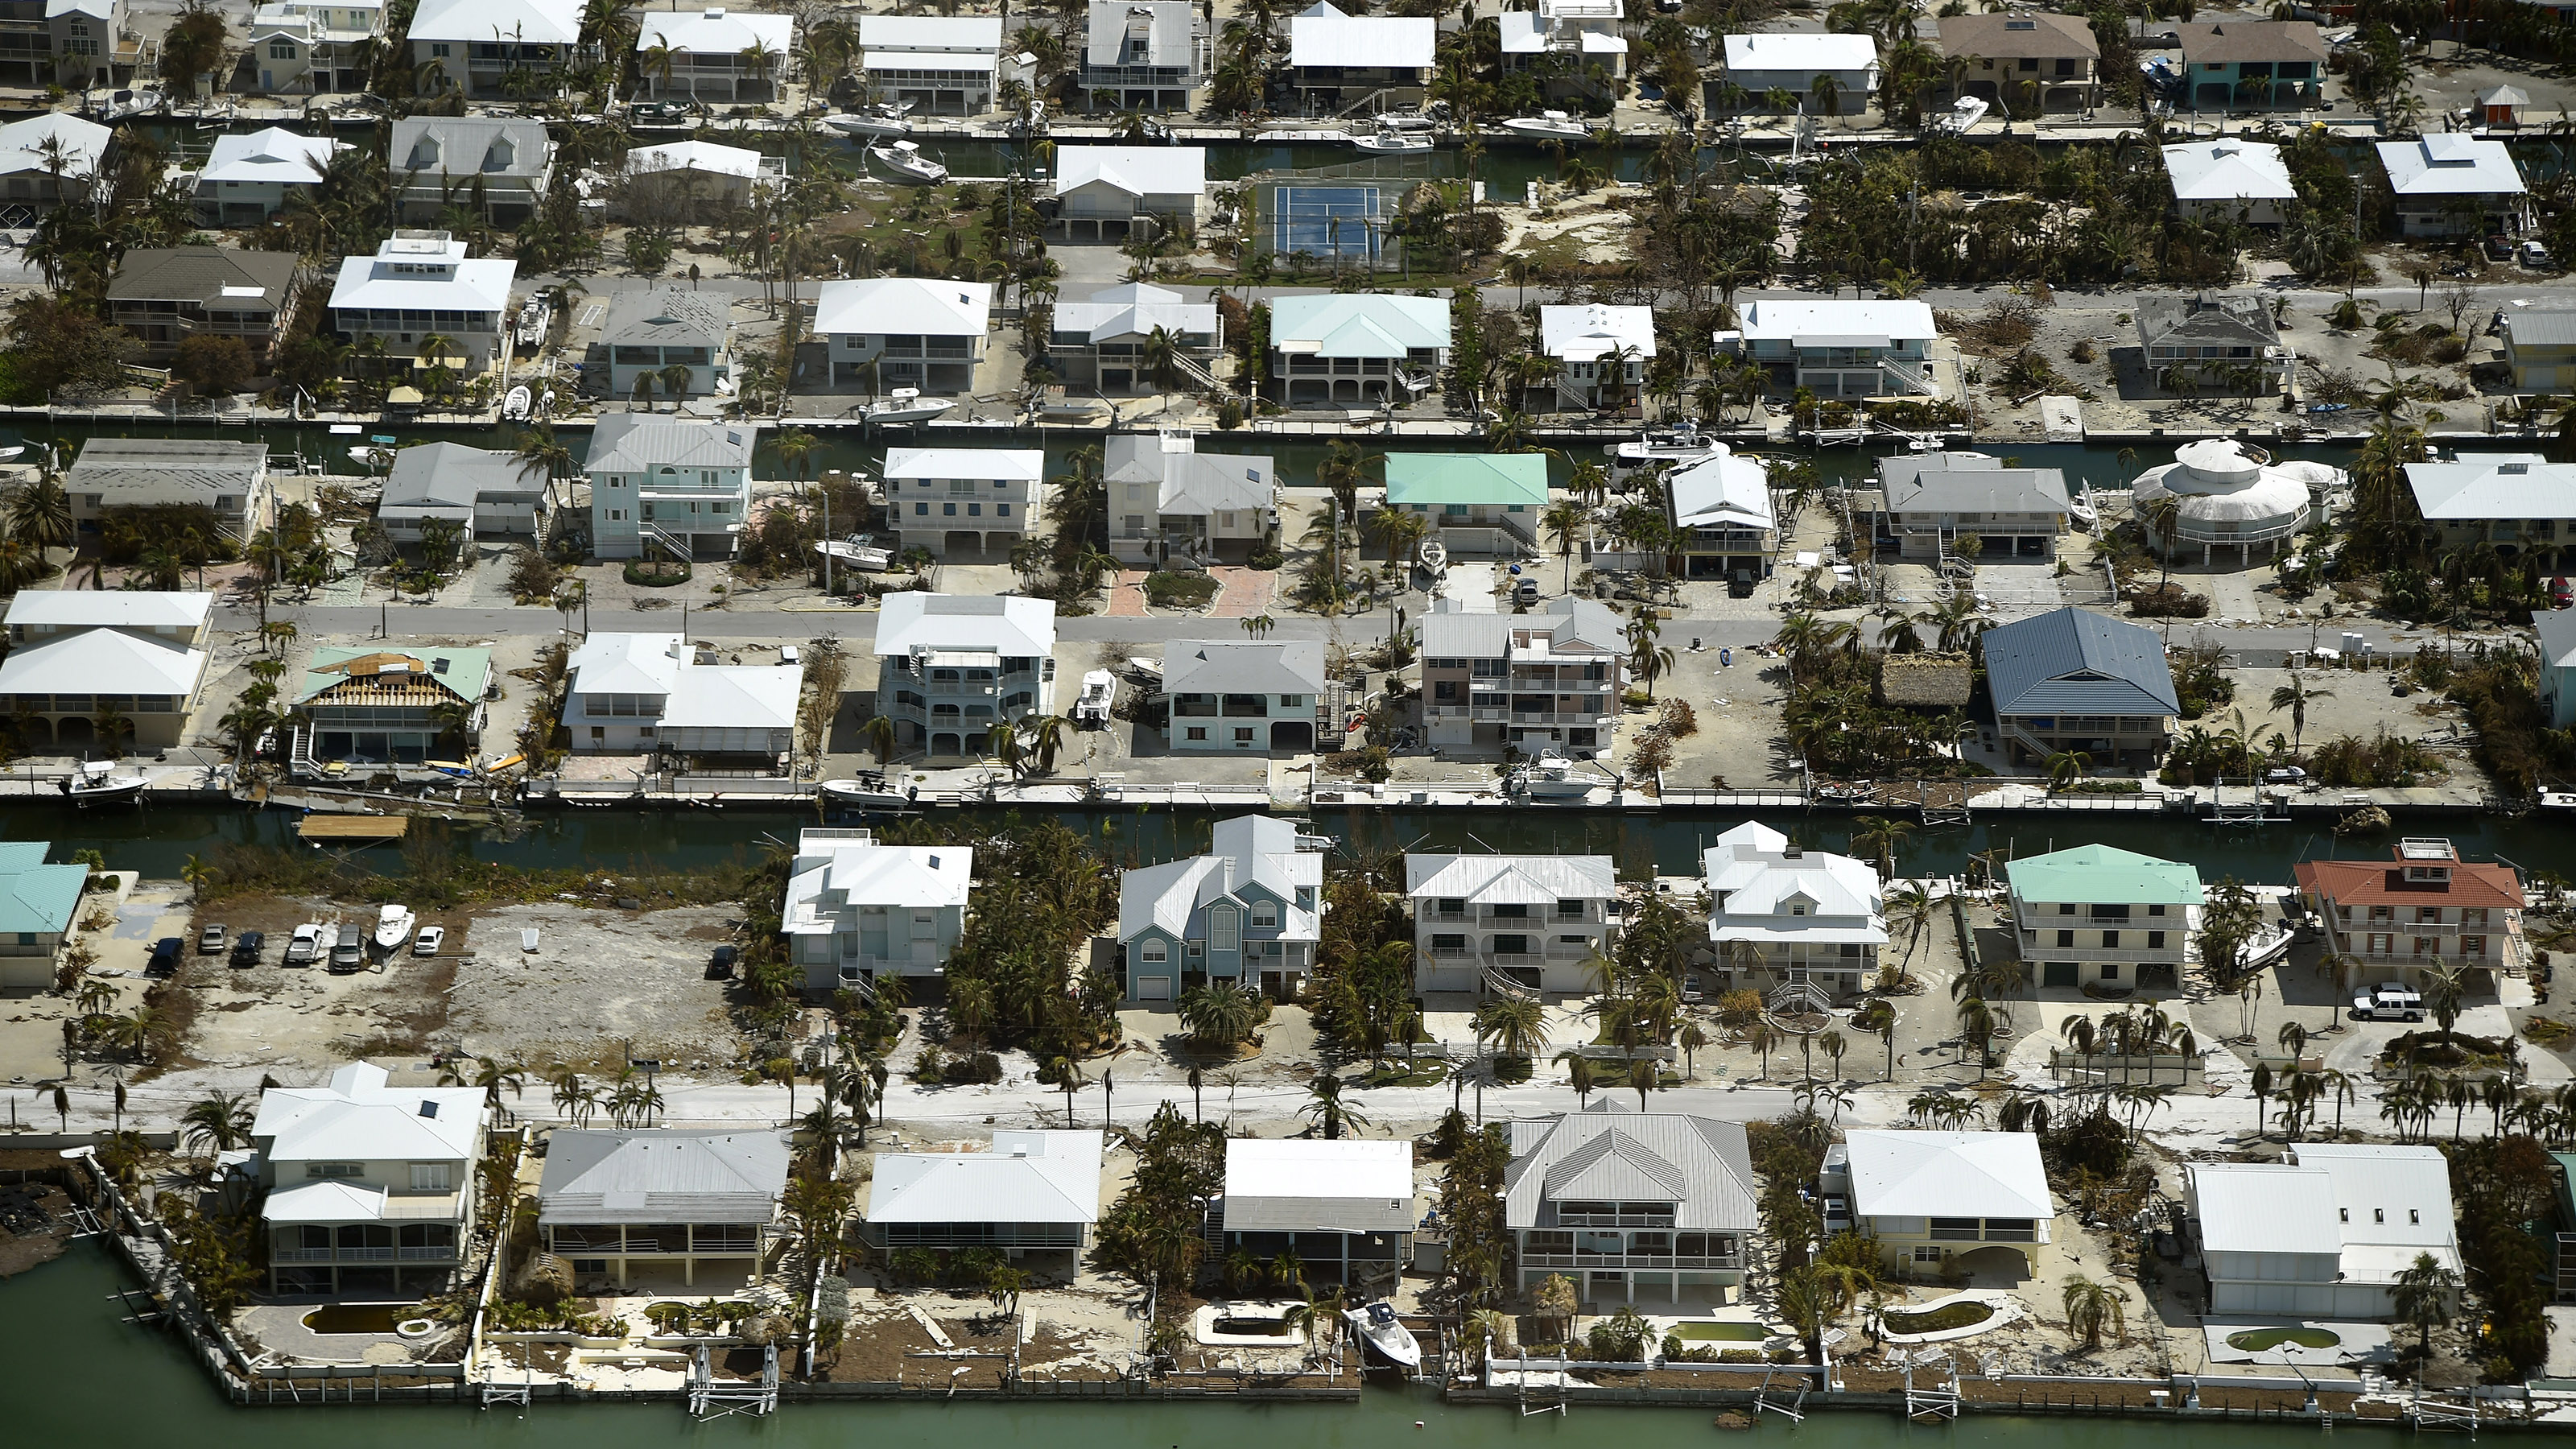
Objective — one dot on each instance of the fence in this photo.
(2126, 1069)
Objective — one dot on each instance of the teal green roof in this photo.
(465, 673)
(2105, 874)
(35, 896)
(1435, 479)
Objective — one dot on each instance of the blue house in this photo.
(1249, 911)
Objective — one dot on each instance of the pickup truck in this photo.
(2388, 1003)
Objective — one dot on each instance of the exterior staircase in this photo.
(676, 543)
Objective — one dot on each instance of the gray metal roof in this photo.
(639, 442)
(668, 317)
(1295, 666)
(2227, 319)
(1505, 879)
(1968, 483)
(661, 1176)
(2540, 326)
(464, 146)
(2070, 661)
(145, 472)
(452, 475)
(1700, 1166)
(1305, 1184)
(218, 277)
(1450, 634)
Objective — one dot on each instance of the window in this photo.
(2110, 940)
(1154, 953)
(2155, 910)
(335, 1169)
(617, 515)
(1265, 915)
(2155, 940)
(281, 50)
(1221, 929)
(429, 1177)
(920, 510)
(2066, 909)
(1197, 732)
(1242, 735)
(2111, 971)
(2065, 939)
(1001, 510)
(948, 510)
(1569, 910)
(1926, 1253)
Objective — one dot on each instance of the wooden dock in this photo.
(353, 829)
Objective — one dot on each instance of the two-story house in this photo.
(2230, 179)
(1486, 503)
(1536, 681)
(229, 480)
(1242, 696)
(166, 295)
(496, 166)
(2071, 679)
(681, 485)
(1357, 347)
(1342, 1207)
(2522, 503)
(75, 44)
(313, 47)
(1030, 1192)
(55, 157)
(2228, 342)
(1109, 342)
(1837, 348)
(940, 65)
(1337, 60)
(2326, 1233)
(1512, 923)
(1930, 1197)
(484, 492)
(1575, 44)
(957, 502)
(2251, 65)
(1935, 499)
(83, 658)
(371, 1187)
(951, 666)
(495, 49)
(1618, 1201)
(890, 332)
(248, 177)
(421, 285)
(856, 910)
(612, 1202)
(2454, 185)
(1601, 352)
(2424, 908)
(650, 332)
(1724, 523)
(391, 706)
(2540, 347)
(37, 905)
(2026, 61)
(2096, 916)
(1779, 913)
(713, 53)
(687, 181)
(1106, 193)
(1167, 498)
(1144, 55)
(1249, 911)
(653, 693)
(1793, 62)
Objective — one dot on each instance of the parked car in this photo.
(1837, 1216)
(210, 941)
(1525, 592)
(1739, 584)
(2285, 775)
(2499, 248)
(303, 945)
(2534, 255)
(2389, 1003)
(349, 953)
(720, 965)
(2561, 596)
(165, 956)
(246, 949)
(429, 940)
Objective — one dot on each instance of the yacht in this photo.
(1554, 779)
(1099, 691)
(514, 408)
(1683, 446)
(907, 405)
(886, 120)
(393, 927)
(1389, 142)
(906, 160)
(1434, 556)
(1549, 126)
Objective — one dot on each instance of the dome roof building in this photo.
(2231, 495)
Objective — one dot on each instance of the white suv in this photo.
(2389, 1003)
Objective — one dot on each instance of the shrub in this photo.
(1268, 558)
(1167, 590)
(212, 366)
(656, 573)
(2167, 601)
(1623, 1339)
(533, 576)
(1679, 720)
(2082, 351)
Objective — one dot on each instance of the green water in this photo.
(76, 1377)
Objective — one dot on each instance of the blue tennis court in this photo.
(1304, 217)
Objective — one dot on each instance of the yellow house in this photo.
(2540, 347)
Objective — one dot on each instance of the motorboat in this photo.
(120, 105)
(11, 455)
(1682, 446)
(1099, 691)
(95, 782)
(867, 790)
(885, 120)
(2268, 944)
(1964, 112)
(1385, 1333)
(1554, 778)
(906, 160)
(514, 408)
(657, 113)
(1405, 121)
(2079, 507)
(1385, 142)
(907, 405)
(1434, 556)
(858, 551)
(535, 320)
(1549, 126)
(393, 927)
(375, 454)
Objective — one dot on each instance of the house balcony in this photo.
(1632, 1260)
(1141, 77)
(2176, 954)
(1496, 921)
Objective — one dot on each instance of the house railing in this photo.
(1630, 1260)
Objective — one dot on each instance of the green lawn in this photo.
(1702, 1331)
(2258, 1340)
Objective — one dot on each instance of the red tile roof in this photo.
(2383, 882)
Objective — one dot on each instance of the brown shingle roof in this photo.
(2016, 37)
(1926, 681)
(2225, 42)
(200, 274)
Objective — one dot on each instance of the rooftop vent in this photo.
(428, 1108)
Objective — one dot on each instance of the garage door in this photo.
(1153, 988)
(2057, 973)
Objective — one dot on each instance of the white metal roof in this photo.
(1248, 849)
(660, 1175)
(357, 1117)
(930, 306)
(1751, 872)
(1527, 32)
(325, 1201)
(2489, 486)
(1028, 1177)
(1011, 628)
(734, 697)
(109, 608)
(626, 664)
(1134, 309)
(1808, 53)
(275, 155)
(1244, 666)
(1292, 1184)
(2228, 170)
(1324, 35)
(2557, 631)
(521, 22)
(1947, 1175)
(1816, 322)
(1015, 465)
(22, 144)
(936, 34)
(102, 661)
(1133, 170)
(1506, 879)
(836, 868)
(1586, 333)
(2450, 165)
(2264, 1207)
(470, 284)
(705, 156)
(715, 30)
(1722, 491)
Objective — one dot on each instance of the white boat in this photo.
(1393, 1341)
(1405, 121)
(1554, 778)
(868, 790)
(888, 121)
(2079, 507)
(1964, 112)
(1683, 446)
(907, 405)
(535, 320)
(371, 458)
(905, 160)
(1434, 555)
(118, 105)
(2269, 944)
(95, 782)
(514, 408)
(858, 551)
(393, 927)
(1099, 691)
(10, 455)
(1391, 143)
(1549, 126)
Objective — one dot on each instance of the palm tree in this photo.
(2444, 986)
(197, 875)
(1878, 836)
(1878, 1018)
(1578, 1074)
(218, 1123)
(2294, 697)
(880, 735)
(1514, 1026)
(1324, 1103)
(2066, 767)
(1564, 521)
(2423, 1295)
(1220, 1014)
(2094, 1308)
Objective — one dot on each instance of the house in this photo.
(1345, 1207)
(248, 178)
(1980, 1198)
(1104, 192)
(954, 501)
(2557, 689)
(1933, 500)
(419, 285)
(1108, 343)
(1165, 496)
(2325, 1233)
(38, 903)
(1839, 349)
(2502, 106)
(1761, 64)
(1781, 914)
(166, 295)
(938, 65)
(2226, 495)
(229, 480)
(312, 47)
(1476, 502)
(1722, 517)
(1618, 1201)
(2251, 65)
(1248, 911)
(495, 48)
(50, 157)
(498, 166)
(2025, 61)
(2230, 179)
(685, 180)
(485, 492)
(1032, 1192)
(1144, 55)
(1518, 923)
(954, 665)
(391, 706)
(371, 1187)
(2521, 503)
(2421, 910)
(613, 1202)
(856, 910)
(892, 332)
(1243, 696)
(76, 44)
(1337, 59)
(1357, 347)
(2211, 344)
(712, 53)
(1577, 42)
(2454, 185)
(1546, 679)
(2070, 679)
(651, 332)
(2540, 347)
(653, 694)
(2096, 916)
(1603, 350)
(666, 482)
